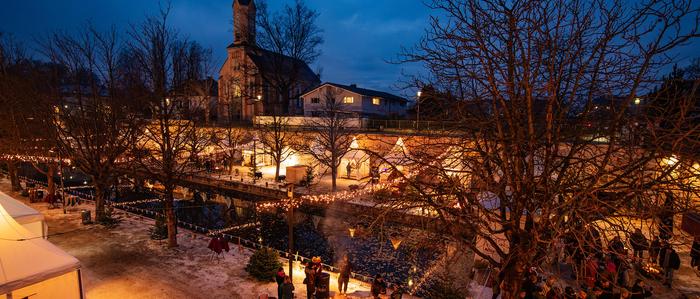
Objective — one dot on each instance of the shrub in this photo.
(263, 264)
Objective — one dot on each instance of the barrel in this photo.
(322, 284)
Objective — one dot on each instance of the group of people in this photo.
(379, 288)
(535, 288)
(285, 287)
(312, 270)
(599, 271)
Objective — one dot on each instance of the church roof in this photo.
(268, 62)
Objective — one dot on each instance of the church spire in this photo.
(244, 22)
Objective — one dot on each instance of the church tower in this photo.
(244, 22)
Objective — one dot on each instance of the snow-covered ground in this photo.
(123, 262)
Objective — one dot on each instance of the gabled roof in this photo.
(268, 62)
(363, 91)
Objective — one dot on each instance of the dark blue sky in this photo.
(360, 35)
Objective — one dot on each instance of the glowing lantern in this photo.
(395, 242)
(352, 232)
(410, 282)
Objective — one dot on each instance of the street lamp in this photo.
(418, 94)
(255, 158)
(290, 222)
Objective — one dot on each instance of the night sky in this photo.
(360, 35)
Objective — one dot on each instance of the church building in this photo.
(254, 81)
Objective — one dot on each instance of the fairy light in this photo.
(232, 228)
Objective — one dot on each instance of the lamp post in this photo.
(418, 94)
(257, 99)
(290, 222)
(255, 158)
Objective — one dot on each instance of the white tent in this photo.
(30, 218)
(31, 267)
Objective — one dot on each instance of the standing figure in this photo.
(279, 278)
(344, 276)
(670, 261)
(639, 243)
(309, 280)
(654, 249)
(287, 288)
(695, 254)
(378, 286)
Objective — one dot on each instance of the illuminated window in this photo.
(376, 101)
(236, 90)
(348, 100)
(315, 100)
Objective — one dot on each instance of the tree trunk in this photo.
(14, 178)
(50, 171)
(100, 189)
(512, 279)
(277, 171)
(334, 176)
(170, 217)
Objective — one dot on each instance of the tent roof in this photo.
(25, 259)
(19, 211)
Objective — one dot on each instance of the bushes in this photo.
(263, 264)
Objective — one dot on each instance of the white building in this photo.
(360, 101)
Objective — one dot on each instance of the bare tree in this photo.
(93, 120)
(168, 146)
(294, 38)
(542, 153)
(276, 137)
(24, 87)
(331, 136)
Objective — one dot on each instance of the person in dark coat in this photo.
(695, 254)
(396, 292)
(279, 278)
(309, 280)
(531, 287)
(640, 291)
(287, 288)
(670, 261)
(606, 289)
(344, 275)
(378, 286)
(639, 243)
(654, 249)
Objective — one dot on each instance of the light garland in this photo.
(28, 158)
(228, 229)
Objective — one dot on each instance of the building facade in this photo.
(361, 102)
(254, 81)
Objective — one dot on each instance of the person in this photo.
(617, 249)
(695, 254)
(531, 287)
(624, 294)
(309, 280)
(670, 261)
(554, 293)
(606, 288)
(287, 288)
(344, 275)
(654, 249)
(378, 286)
(569, 293)
(279, 278)
(640, 291)
(596, 293)
(639, 243)
(396, 292)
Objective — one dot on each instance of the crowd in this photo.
(610, 273)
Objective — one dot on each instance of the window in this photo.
(376, 101)
(348, 100)
(315, 100)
